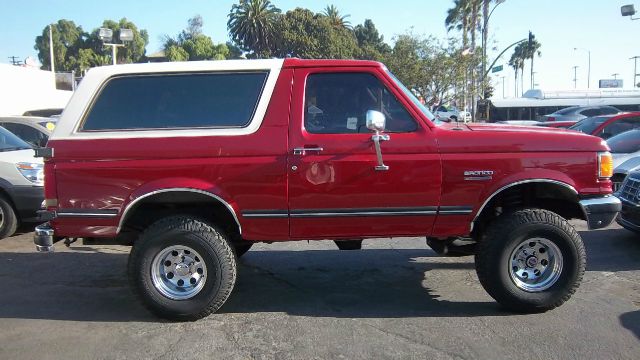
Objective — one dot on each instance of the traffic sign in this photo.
(496, 69)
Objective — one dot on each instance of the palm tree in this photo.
(251, 25)
(532, 48)
(517, 63)
(458, 18)
(336, 18)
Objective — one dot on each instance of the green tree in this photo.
(176, 53)
(431, 69)
(192, 45)
(68, 39)
(304, 34)
(371, 43)
(335, 18)
(252, 25)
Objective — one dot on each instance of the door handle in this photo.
(304, 150)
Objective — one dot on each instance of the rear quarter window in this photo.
(143, 102)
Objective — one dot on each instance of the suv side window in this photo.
(204, 100)
(337, 103)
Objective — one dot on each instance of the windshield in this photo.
(625, 143)
(9, 142)
(588, 125)
(413, 98)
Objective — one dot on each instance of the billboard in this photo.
(610, 83)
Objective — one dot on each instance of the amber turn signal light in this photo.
(605, 165)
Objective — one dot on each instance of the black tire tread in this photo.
(189, 224)
(10, 218)
(505, 224)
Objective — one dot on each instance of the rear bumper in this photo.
(600, 211)
(43, 238)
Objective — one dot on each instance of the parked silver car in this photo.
(577, 113)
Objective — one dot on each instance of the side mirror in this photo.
(375, 121)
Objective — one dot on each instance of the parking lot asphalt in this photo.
(305, 300)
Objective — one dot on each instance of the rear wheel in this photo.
(182, 268)
(531, 260)
(8, 219)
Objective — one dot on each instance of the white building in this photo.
(28, 88)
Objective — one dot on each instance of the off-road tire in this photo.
(216, 252)
(8, 219)
(502, 237)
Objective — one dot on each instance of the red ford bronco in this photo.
(195, 162)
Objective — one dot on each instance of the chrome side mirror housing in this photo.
(375, 121)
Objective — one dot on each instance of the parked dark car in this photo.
(629, 217)
(606, 126)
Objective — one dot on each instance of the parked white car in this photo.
(450, 113)
(21, 182)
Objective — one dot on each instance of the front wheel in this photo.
(531, 260)
(182, 268)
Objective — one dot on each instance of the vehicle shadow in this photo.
(631, 321)
(612, 250)
(362, 284)
(90, 285)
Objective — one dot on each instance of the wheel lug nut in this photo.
(170, 275)
(193, 281)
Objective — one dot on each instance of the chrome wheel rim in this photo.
(178, 272)
(535, 264)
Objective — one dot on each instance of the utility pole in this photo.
(14, 60)
(53, 70)
(635, 69)
(575, 76)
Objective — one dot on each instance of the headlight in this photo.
(33, 172)
(605, 165)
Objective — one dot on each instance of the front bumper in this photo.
(43, 238)
(600, 211)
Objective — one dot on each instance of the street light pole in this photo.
(575, 76)
(503, 86)
(635, 69)
(485, 24)
(51, 49)
(588, 66)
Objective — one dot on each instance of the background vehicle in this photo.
(21, 183)
(629, 193)
(577, 113)
(606, 126)
(536, 103)
(34, 130)
(340, 150)
(443, 113)
(625, 149)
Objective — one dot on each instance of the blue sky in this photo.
(559, 25)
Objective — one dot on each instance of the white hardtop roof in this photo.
(184, 66)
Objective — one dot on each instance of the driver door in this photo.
(336, 186)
